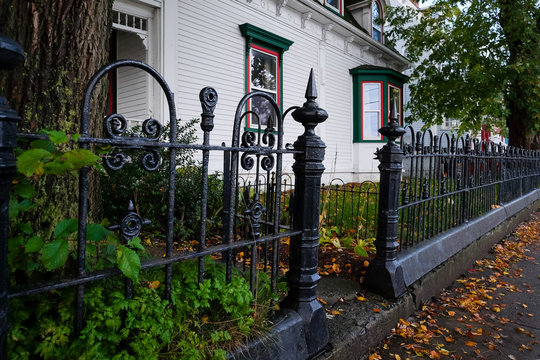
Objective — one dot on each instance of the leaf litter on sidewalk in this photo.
(466, 320)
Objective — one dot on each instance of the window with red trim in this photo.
(372, 109)
(264, 75)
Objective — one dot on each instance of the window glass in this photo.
(264, 76)
(394, 97)
(263, 70)
(371, 110)
(376, 18)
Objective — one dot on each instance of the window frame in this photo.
(381, 15)
(250, 87)
(363, 110)
(400, 107)
(370, 73)
(338, 10)
(266, 42)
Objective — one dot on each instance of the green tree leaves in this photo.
(477, 61)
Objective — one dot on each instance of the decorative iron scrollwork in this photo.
(152, 128)
(151, 160)
(115, 125)
(131, 225)
(267, 162)
(247, 161)
(255, 211)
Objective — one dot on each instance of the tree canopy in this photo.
(476, 61)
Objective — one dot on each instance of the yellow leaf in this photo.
(154, 284)
(470, 343)
(397, 357)
(335, 312)
(204, 319)
(361, 298)
(366, 263)
(375, 356)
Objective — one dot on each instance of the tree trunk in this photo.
(521, 96)
(66, 42)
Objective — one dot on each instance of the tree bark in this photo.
(523, 84)
(66, 42)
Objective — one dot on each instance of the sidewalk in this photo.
(491, 313)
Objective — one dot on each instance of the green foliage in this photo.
(149, 190)
(146, 326)
(30, 253)
(346, 240)
(474, 60)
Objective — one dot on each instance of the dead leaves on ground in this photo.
(475, 306)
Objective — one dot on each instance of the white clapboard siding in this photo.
(132, 83)
(211, 52)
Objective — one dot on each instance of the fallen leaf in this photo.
(361, 298)
(470, 343)
(377, 310)
(451, 313)
(375, 356)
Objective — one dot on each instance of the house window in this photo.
(335, 5)
(264, 76)
(395, 97)
(375, 90)
(376, 18)
(264, 72)
(371, 110)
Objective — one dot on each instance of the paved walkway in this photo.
(493, 312)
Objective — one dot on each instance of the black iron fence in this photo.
(430, 184)
(256, 233)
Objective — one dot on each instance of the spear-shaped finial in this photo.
(310, 114)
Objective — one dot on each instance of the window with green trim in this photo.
(335, 5)
(375, 90)
(264, 72)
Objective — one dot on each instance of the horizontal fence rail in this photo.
(449, 180)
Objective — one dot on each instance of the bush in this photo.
(149, 189)
(200, 321)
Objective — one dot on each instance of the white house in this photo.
(240, 45)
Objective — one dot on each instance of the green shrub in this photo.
(200, 321)
(149, 189)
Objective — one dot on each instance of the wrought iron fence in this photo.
(352, 207)
(429, 184)
(257, 232)
(449, 180)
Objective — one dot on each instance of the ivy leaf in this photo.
(79, 158)
(128, 262)
(31, 161)
(43, 144)
(65, 227)
(57, 137)
(26, 191)
(96, 232)
(135, 243)
(26, 228)
(34, 244)
(360, 251)
(55, 254)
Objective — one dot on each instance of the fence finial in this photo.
(208, 97)
(310, 114)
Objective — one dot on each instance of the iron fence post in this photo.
(384, 274)
(303, 275)
(11, 54)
